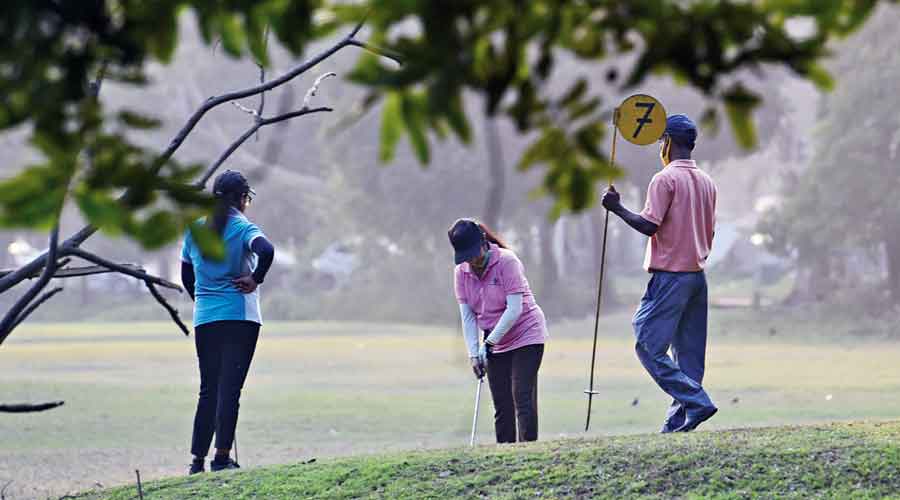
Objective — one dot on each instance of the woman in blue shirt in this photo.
(226, 316)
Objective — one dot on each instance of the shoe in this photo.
(228, 464)
(695, 419)
(197, 466)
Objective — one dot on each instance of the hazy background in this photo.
(362, 351)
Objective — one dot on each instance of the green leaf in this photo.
(164, 37)
(210, 243)
(709, 121)
(391, 127)
(588, 139)
(233, 36)
(415, 127)
(157, 230)
(550, 146)
(102, 210)
(256, 37)
(574, 94)
(137, 120)
(820, 77)
(739, 106)
(456, 117)
(34, 197)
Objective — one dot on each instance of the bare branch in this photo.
(76, 272)
(295, 114)
(3, 491)
(172, 311)
(359, 26)
(262, 76)
(256, 126)
(16, 277)
(245, 109)
(34, 305)
(315, 88)
(30, 408)
(11, 319)
(119, 268)
(213, 102)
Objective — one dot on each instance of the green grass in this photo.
(328, 389)
(851, 460)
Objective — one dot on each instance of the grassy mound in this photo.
(846, 460)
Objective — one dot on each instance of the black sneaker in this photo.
(226, 464)
(197, 466)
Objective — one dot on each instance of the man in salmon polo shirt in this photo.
(679, 218)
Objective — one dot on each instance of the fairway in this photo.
(327, 389)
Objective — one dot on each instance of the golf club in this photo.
(475, 418)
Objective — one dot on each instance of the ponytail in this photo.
(219, 218)
(491, 237)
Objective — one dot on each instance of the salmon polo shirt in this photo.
(486, 295)
(681, 200)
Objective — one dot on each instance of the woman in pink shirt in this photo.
(494, 296)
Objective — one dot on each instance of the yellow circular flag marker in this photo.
(641, 119)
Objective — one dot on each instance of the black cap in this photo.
(467, 238)
(231, 182)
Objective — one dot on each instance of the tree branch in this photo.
(245, 109)
(123, 269)
(315, 88)
(16, 277)
(246, 135)
(11, 319)
(213, 102)
(172, 311)
(34, 305)
(76, 272)
(30, 408)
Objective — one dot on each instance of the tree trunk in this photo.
(549, 275)
(892, 248)
(813, 279)
(497, 183)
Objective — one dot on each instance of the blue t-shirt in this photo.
(216, 297)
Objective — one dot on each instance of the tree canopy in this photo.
(56, 55)
(845, 199)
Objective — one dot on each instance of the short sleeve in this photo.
(512, 276)
(186, 247)
(251, 232)
(459, 286)
(659, 198)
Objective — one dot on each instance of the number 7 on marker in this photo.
(644, 119)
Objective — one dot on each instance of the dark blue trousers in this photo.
(673, 315)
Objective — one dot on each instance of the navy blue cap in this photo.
(467, 239)
(231, 182)
(682, 130)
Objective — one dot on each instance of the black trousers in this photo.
(224, 350)
(513, 377)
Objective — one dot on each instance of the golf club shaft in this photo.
(477, 405)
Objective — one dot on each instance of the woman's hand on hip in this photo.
(246, 284)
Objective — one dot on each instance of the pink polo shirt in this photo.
(486, 295)
(681, 200)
